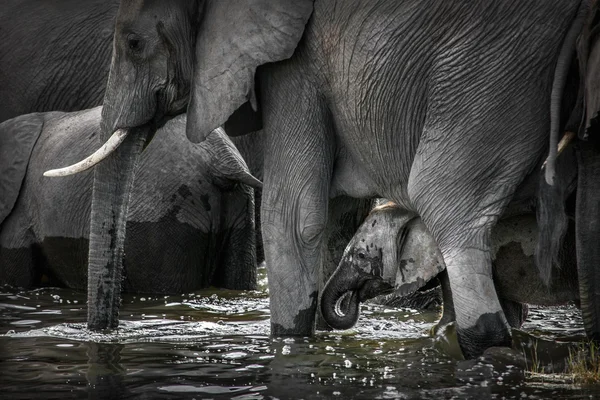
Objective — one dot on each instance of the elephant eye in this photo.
(134, 43)
(361, 255)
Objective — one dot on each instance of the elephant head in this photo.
(167, 55)
(392, 250)
(201, 52)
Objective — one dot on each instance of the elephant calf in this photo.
(394, 251)
(190, 225)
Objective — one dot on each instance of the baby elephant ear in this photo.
(419, 260)
(234, 37)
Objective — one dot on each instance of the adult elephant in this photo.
(190, 224)
(415, 101)
(54, 56)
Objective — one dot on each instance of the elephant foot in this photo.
(490, 330)
(302, 325)
(445, 340)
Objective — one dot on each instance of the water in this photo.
(215, 344)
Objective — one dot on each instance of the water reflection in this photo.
(105, 374)
(215, 344)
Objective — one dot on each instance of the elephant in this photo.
(416, 101)
(394, 251)
(54, 57)
(190, 224)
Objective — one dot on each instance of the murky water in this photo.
(215, 344)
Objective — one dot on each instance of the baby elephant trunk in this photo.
(348, 286)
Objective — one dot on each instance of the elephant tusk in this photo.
(107, 148)
(562, 145)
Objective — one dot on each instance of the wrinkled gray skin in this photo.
(150, 79)
(418, 101)
(407, 258)
(588, 190)
(54, 56)
(188, 226)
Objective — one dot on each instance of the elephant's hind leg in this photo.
(238, 269)
(461, 181)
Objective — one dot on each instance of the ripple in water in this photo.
(216, 344)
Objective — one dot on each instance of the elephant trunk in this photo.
(561, 72)
(113, 180)
(347, 287)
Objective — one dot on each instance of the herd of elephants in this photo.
(225, 133)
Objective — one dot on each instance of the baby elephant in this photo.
(190, 224)
(393, 251)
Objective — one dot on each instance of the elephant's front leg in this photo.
(294, 216)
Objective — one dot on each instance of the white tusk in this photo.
(564, 142)
(107, 148)
(562, 145)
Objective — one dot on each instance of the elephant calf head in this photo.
(392, 250)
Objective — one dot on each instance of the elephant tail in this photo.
(561, 73)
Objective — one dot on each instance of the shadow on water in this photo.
(215, 344)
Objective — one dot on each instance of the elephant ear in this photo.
(419, 258)
(233, 39)
(18, 137)
(225, 162)
(588, 54)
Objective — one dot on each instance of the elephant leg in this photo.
(293, 224)
(515, 312)
(345, 215)
(237, 267)
(21, 260)
(298, 165)
(448, 315)
(17, 267)
(466, 250)
(260, 250)
(460, 188)
(588, 234)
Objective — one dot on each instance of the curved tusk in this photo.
(107, 148)
(562, 145)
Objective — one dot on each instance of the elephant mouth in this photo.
(373, 288)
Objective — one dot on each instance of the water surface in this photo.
(215, 344)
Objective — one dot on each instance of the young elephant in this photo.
(189, 224)
(394, 251)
